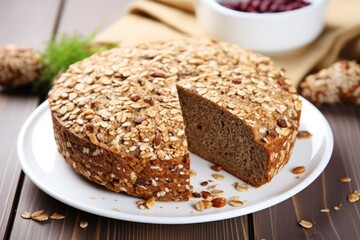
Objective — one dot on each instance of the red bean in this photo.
(265, 6)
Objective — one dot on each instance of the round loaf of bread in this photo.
(119, 122)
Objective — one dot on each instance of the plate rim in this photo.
(176, 220)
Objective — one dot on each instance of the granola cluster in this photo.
(337, 84)
(18, 65)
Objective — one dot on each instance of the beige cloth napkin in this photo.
(165, 19)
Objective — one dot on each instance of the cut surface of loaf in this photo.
(118, 120)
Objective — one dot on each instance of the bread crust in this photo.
(121, 172)
(118, 121)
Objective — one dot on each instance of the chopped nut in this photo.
(207, 203)
(241, 187)
(353, 198)
(216, 168)
(272, 133)
(57, 216)
(200, 206)
(206, 195)
(196, 195)
(303, 134)
(217, 192)
(134, 97)
(157, 139)
(345, 179)
(218, 176)
(219, 202)
(204, 183)
(26, 215)
(150, 203)
(158, 74)
(298, 170)
(83, 224)
(281, 123)
(306, 224)
(149, 100)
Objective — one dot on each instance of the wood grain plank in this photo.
(281, 221)
(28, 23)
(32, 199)
(83, 16)
(12, 118)
(21, 22)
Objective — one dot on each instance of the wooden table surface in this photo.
(32, 23)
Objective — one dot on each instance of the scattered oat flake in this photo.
(41, 218)
(303, 134)
(139, 202)
(357, 192)
(57, 216)
(26, 215)
(345, 179)
(37, 213)
(193, 173)
(338, 207)
(326, 210)
(199, 206)
(306, 224)
(218, 176)
(234, 198)
(236, 203)
(83, 224)
(241, 187)
(212, 187)
(217, 192)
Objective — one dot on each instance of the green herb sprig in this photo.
(60, 54)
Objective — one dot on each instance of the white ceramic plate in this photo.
(43, 164)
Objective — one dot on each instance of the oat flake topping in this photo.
(126, 98)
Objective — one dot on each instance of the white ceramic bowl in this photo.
(269, 33)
